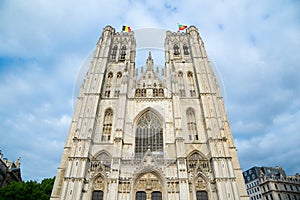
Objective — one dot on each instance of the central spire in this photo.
(149, 62)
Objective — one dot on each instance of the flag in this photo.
(182, 27)
(126, 29)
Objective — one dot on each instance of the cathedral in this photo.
(151, 134)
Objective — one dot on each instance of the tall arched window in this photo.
(149, 135)
(191, 124)
(181, 84)
(107, 125)
(176, 50)
(114, 53)
(122, 53)
(97, 195)
(185, 50)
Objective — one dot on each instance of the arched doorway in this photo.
(148, 187)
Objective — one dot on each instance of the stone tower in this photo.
(149, 135)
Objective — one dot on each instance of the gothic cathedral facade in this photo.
(150, 135)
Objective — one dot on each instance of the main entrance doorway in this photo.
(148, 187)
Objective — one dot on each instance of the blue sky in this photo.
(254, 44)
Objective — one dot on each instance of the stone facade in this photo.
(149, 135)
(270, 183)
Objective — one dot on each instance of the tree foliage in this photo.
(30, 190)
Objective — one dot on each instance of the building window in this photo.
(285, 187)
(156, 196)
(279, 196)
(201, 195)
(140, 196)
(160, 92)
(119, 75)
(276, 186)
(122, 53)
(155, 92)
(289, 197)
(107, 125)
(149, 135)
(176, 50)
(97, 195)
(140, 92)
(114, 53)
(137, 92)
(109, 78)
(191, 124)
(190, 76)
(271, 196)
(192, 93)
(185, 50)
(107, 93)
(291, 187)
(117, 93)
(182, 93)
(143, 92)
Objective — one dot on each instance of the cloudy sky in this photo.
(254, 44)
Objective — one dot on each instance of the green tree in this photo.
(30, 190)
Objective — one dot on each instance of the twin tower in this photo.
(150, 135)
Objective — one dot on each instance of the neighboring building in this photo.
(271, 184)
(149, 136)
(9, 171)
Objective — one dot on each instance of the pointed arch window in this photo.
(176, 50)
(118, 83)
(114, 53)
(122, 53)
(107, 125)
(191, 124)
(161, 92)
(185, 50)
(190, 75)
(149, 135)
(181, 84)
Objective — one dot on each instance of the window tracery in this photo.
(176, 50)
(107, 125)
(185, 50)
(149, 135)
(114, 53)
(122, 53)
(191, 124)
(161, 92)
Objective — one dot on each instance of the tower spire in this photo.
(149, 62)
